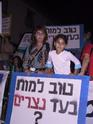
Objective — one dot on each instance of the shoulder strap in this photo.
(36, 53)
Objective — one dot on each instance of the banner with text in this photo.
(74, 34)
(89, 119)
(47, 99)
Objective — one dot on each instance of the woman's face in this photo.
(40, 36)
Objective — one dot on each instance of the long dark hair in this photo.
(33, 38)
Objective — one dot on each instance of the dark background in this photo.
(28, 13)
(65, 12)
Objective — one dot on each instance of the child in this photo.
(59, 59)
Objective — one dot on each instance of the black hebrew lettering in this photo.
(55, 101)
(73, 37)
(42, 85)
(53, 30)
(91, 113)
(54, 91)
(76, 36)
(63, 110)
(23, 84)
(70, 89)
(60, 88)
(59, 30)
(65, 30)
(30, 86)
(69, 30)
(74, 112)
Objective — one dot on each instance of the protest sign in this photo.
(74, 34)
(47, 99)
(89, 115)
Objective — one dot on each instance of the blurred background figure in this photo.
(87, 56)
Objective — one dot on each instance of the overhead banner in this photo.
(89, 115)
(3, 79)
(47, 99)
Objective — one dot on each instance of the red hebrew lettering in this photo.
(44, 105)
(36, 102)
(18, 99)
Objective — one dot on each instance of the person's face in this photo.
(60, 45)
(40, 36)
(88, 35)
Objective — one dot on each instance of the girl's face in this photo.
(60, 45)
(40, 36)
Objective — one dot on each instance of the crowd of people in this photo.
(39, 58)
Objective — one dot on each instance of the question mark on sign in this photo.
(38, 117)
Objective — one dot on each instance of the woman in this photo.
(37, 54)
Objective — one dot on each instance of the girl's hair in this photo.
(38, 28)
(62, 36)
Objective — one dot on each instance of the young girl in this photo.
(59, 59)
(37, 54)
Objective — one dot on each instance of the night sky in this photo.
(63, 12)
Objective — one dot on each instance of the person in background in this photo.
(37, 54)
(87, 37)
(59, 59)
(87, 58)
(16, 64)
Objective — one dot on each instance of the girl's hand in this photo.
(81, 74)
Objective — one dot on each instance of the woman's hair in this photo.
(38, 28)
(62, 36)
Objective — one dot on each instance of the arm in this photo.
(76, 62)
(84, 64)
(49, 65)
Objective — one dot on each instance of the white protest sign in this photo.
(41, 99)
(73, 32)
(89, 118)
